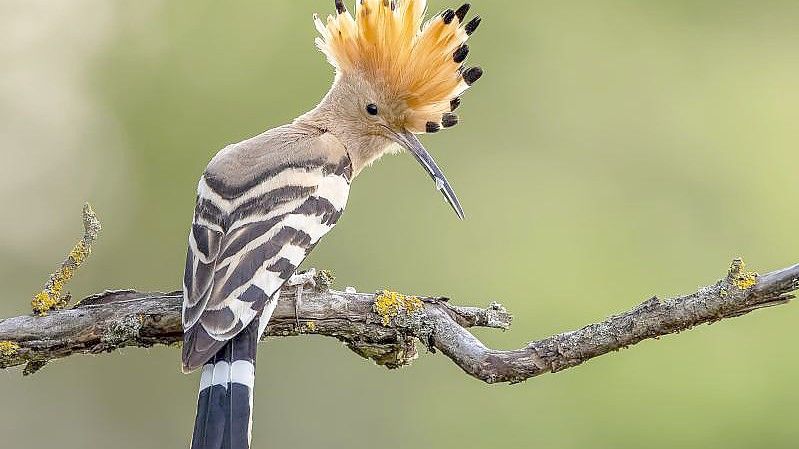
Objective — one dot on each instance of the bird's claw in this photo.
(304, 279)
(301, 280)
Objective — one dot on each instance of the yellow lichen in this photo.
(79, 253)
(390, 304)
(8, 348)
(740, 277)
(52, 296)
(311, 326)
(44, 301)
(746, 280)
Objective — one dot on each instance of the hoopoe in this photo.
(264, 203)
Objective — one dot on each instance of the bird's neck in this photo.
(363, 148)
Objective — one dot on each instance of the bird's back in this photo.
(262, 205)
(240, 166)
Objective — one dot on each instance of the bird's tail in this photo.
(224, 406)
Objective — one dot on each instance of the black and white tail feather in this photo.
(262, 205)
(224, 406)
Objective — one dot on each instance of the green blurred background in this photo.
(613, 151)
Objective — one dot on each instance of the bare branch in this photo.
(386, 326)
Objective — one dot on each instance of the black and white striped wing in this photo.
(246, 243)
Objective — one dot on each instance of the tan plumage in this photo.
(412, 63)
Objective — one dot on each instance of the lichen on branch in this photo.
(391, 305)
(52, 296)
(740, 277)
(8, 348)
(383, 327)
(386, 326)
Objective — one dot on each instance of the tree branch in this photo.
(385, 326)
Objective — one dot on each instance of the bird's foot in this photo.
(304, 279)
(301, 280)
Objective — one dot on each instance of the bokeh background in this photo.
(614, 150)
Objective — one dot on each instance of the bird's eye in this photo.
(371, 108)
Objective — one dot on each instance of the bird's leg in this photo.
(300, 280)
(303, 278)
(297, 299)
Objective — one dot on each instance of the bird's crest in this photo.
(419, 64)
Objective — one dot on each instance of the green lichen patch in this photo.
(122, 332)
(392, 356)
(33, 367)
(324, 280)
(740, 277)
(390, 305)
(8, 348)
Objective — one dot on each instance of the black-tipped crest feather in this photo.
(470, 76)
(461, 12)
(471, 27)
(461, 53)
(448, 16)
(433, 127)
(449, 120)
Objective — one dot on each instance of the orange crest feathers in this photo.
(418, 64)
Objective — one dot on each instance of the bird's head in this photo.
(397, 76)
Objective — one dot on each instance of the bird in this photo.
(264, 203)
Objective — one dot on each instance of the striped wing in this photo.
(245, 243)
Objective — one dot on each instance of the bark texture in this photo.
(386, 326)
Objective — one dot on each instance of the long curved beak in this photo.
(412, 144)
